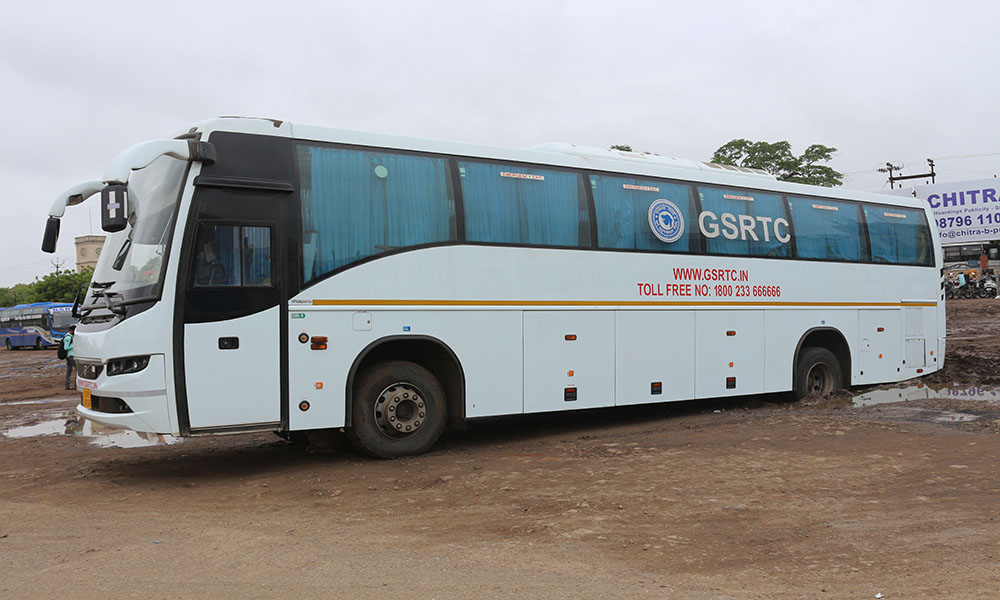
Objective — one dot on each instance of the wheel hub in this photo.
(819, 380)
(400, 410)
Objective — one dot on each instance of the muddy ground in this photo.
(753, 499)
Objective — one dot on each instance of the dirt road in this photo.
(756, 499)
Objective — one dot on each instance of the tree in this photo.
(61, 286)
(778, 160)
(21, 293)
(621, 147)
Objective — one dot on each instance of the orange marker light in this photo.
(570, 337)
(730, 364)
(570, 373)
(319, 385)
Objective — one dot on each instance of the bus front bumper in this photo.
(139, 399)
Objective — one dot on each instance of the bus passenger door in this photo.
(232, 313)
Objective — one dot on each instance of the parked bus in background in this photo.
(38, 325)
(262, 275)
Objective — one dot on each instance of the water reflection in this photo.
(105, 437)
(925, 392)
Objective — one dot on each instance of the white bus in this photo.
(263, 275)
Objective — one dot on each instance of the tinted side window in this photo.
(356, 204)
(524, 205)
(623, 214)
(899, 235)
(826, 229)
(743, 223)
(232, 255)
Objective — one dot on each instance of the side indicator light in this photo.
(932, 353)
(730, 333)
(880, 329)
(920, 370)
(570, 373)
(319, 342)
(319, 385)
(570, 337)
(880, 356)
(730, 365)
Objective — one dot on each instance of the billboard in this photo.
(964, 211)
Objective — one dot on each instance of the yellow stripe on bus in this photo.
(603, 303)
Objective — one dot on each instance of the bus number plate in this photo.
(86, 399)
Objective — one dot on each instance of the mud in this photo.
(838, 497)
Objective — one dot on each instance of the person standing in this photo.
(70, 362)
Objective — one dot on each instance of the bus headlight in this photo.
(130, 364)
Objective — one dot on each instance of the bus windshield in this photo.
(62, 320)
(131, 263)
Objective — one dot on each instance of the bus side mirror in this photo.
(114, 207)
(51, 235)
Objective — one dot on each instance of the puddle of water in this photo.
(46, 401)
(105, 437)
(923, 392)
(950, 417)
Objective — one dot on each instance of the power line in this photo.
(24, 266)
(902, 164)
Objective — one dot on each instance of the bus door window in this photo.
(233, 255)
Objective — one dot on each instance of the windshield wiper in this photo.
(120, 259)
(118, 309)
(78, 310)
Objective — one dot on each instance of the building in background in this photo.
(88, 249)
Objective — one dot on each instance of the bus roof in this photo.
(556, 154)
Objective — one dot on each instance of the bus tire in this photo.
(817, 372)
(398, 409)
(8, 345)
(39, 344)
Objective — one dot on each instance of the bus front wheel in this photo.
(817, 372)
(39, 344)
(8, 344)
(398, 409)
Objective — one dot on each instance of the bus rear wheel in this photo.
(8, 345)
(817, 372)
(39, 344)
(398, 409)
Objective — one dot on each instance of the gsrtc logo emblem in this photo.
(666, 220)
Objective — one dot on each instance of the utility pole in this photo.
(889, 168)
(57, 264)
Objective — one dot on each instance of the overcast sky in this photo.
(886, 81)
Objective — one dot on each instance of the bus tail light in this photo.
(570, 394)
(730, 383)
